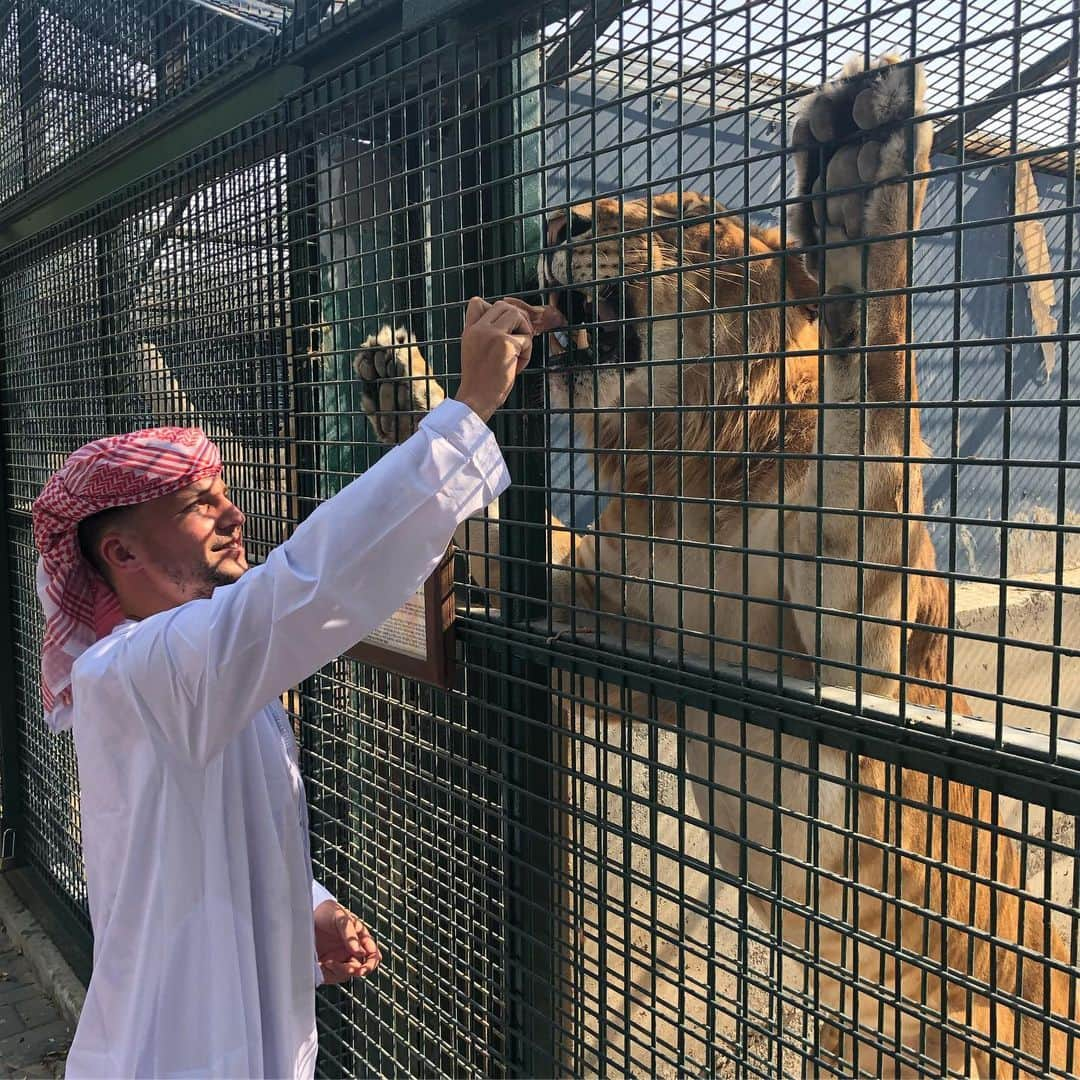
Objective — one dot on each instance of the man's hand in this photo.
(542, 317)
(495, 347)
(343, 944)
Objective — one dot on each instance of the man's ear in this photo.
(117, 554)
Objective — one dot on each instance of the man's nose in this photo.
(232, 517)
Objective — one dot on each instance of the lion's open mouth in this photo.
(596, 330)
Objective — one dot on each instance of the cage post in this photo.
(29, 58)
(10, 776)
(114, 304)
(304, 314)
(532, 848)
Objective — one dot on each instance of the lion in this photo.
(758, 404)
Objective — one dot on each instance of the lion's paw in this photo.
(398, 388)
(855, 137)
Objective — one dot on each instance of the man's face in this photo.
(190, 542)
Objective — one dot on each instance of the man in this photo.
(167, 657)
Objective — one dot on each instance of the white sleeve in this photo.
(320, 894)
(359, 556)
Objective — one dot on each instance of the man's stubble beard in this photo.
(200, 582)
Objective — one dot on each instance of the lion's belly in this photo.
(717, 598)
(726, 602)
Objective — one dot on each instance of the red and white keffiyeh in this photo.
(121, 470)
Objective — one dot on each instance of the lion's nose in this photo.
(556, 230)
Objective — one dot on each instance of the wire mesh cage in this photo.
(762, 759)
(75, 74)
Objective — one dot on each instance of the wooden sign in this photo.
(417, 641)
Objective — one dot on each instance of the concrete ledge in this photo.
(50, 968)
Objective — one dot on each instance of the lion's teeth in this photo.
(563, 338)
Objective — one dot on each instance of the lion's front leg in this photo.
(860, 145)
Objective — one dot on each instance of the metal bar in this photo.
(91, 91)
(531, 866)
(113, 303)
(305, 407)
(256, 20)
(306, 17)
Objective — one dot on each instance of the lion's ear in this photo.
(662, 207)
(694, 204)
(673, 207)
(770, 236)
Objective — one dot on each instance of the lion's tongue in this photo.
(604, 311)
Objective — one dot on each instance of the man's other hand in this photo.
(343, 944)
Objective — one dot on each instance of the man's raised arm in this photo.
(345, 570)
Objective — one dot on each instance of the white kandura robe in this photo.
(193, 812)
